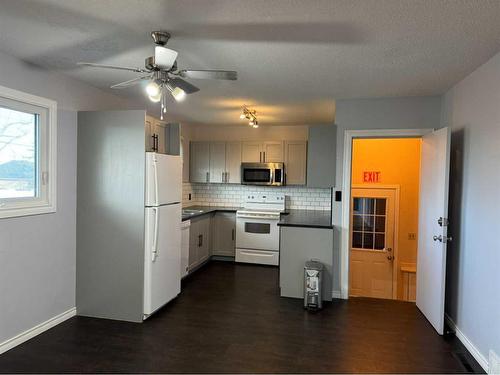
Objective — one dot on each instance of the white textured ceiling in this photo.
(293, 57)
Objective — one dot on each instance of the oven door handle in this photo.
(258, 218)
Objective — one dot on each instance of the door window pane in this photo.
(357, 240)
(367, 240)
(369, 206)
(368, 223)
(380, 224)
(18, 154)
(357, 223)
(379, 241)
(380, 206)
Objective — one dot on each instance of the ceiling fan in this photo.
(163, 75)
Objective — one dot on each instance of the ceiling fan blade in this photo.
(209, 74)
(186, 86)
(104, 66)
(130, 82)
(165, 57)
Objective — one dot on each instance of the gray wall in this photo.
(37, 253)
(472, 109)
(387, 113)
(110, 214)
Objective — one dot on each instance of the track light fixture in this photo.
(251, 116)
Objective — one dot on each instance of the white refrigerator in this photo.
(162, 279)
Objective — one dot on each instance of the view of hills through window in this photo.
(17, 154)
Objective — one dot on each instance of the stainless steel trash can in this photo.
(313, 285)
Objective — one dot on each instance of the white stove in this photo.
(257, 232)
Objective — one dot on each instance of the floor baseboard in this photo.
(483, 362)
(36, 330)
(336, 294)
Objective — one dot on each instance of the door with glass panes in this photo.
(372, 258)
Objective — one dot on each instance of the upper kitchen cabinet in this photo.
(272, 152)
(162, 137)
(262, 152)
(251, 152)
(295, 162)
(321, 156)
(233, 162)
(199, 155)
(215, 162)
(155, 135)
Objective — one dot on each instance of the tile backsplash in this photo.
(229, 195)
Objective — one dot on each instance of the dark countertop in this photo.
(307, 219)
(207, 210)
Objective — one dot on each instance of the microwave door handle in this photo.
(272, 176)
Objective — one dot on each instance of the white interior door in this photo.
(432, 236)
(372, 255)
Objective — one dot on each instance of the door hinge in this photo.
(443, 222)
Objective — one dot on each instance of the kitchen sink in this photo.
(189, 211)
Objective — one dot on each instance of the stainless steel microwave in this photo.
(272, 174)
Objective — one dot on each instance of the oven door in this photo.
(257, 233)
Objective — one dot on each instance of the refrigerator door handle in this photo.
(154, 252)
(155, 170)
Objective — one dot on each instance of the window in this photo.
(27, 154)
(368, 223)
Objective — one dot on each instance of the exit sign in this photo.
(371, 176)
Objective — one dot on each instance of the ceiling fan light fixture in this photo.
(243, 116)
(153, 89)
(155, 98)
(178, 93)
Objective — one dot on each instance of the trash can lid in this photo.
(314, 265)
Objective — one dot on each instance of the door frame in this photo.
(395, 247)
(349, 136)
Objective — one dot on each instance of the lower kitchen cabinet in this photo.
(224, 234)
(199, 240)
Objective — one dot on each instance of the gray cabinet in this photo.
(233, 162)
(155, 137)
(298, 245)
(321, 156)
(199, 155)
(217, 162)
(296, 162)
(262, 152)
(199, 241)
(224, 234)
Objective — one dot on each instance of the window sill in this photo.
(7, 213)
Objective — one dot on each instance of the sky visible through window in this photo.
(17, 154)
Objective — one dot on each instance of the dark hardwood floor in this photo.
(229, 319)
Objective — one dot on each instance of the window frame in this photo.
(46, 138)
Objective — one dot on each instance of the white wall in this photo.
(472, 109)
(384, 113)
(37, 253)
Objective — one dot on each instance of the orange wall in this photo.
(398, 161)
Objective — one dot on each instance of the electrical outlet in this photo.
(494, 363)
(412, 236)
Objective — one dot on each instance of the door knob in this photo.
(390, 257)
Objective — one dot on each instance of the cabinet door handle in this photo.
(227, 177)
(263, 156)
(200, 240)
(232, 234)
(208, 176)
